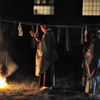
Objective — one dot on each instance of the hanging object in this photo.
(33, 42)
(20, 30)
(85, 34)
(33, 28)
(67, 41)
(59, 35)
(82, 36)
(14, 29)
(37, 30)
(1, 34)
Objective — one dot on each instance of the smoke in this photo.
(7, 65)
(11, 67)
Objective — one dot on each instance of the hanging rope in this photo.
(67, 41)
(85, 34)
(82, 36)
(37, 29)
(33, 28)
(59, 35)
(1, 35)
(25, 23)
(13, 30)
(30, 23)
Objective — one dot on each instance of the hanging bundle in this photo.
(33, 42)
(85, 34)
(1, 35)
(59, 35)
(32, 28)
(67, 41)
(82, 35)
(14, 29)
(20, 30)
(37, 30)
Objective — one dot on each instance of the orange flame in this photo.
(3, 83)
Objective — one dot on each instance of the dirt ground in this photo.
(28, 89)
(68, 83)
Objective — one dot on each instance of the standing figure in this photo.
(91, 66)
(45, 57)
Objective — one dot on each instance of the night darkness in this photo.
(19, 48)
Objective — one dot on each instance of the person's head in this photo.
(43, 28)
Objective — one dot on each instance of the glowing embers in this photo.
(2, 82)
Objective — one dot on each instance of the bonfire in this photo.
(3, 83)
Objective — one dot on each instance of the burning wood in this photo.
(3, 84)
(7, 67)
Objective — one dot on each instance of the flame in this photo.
(3, 83)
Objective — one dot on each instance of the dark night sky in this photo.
(67, 12)
(23, 10)
(19, 48)
(16, 9)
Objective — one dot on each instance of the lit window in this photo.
(36, 1)
(44, 10)
(48, 10)
(43, 1)
(38, 10)
(51, 1)
(91, 8)
(43, 7)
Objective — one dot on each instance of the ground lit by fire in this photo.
(28, 89)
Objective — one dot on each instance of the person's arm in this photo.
(36, 38)
(34, 35)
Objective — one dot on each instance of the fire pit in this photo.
(3, 83)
